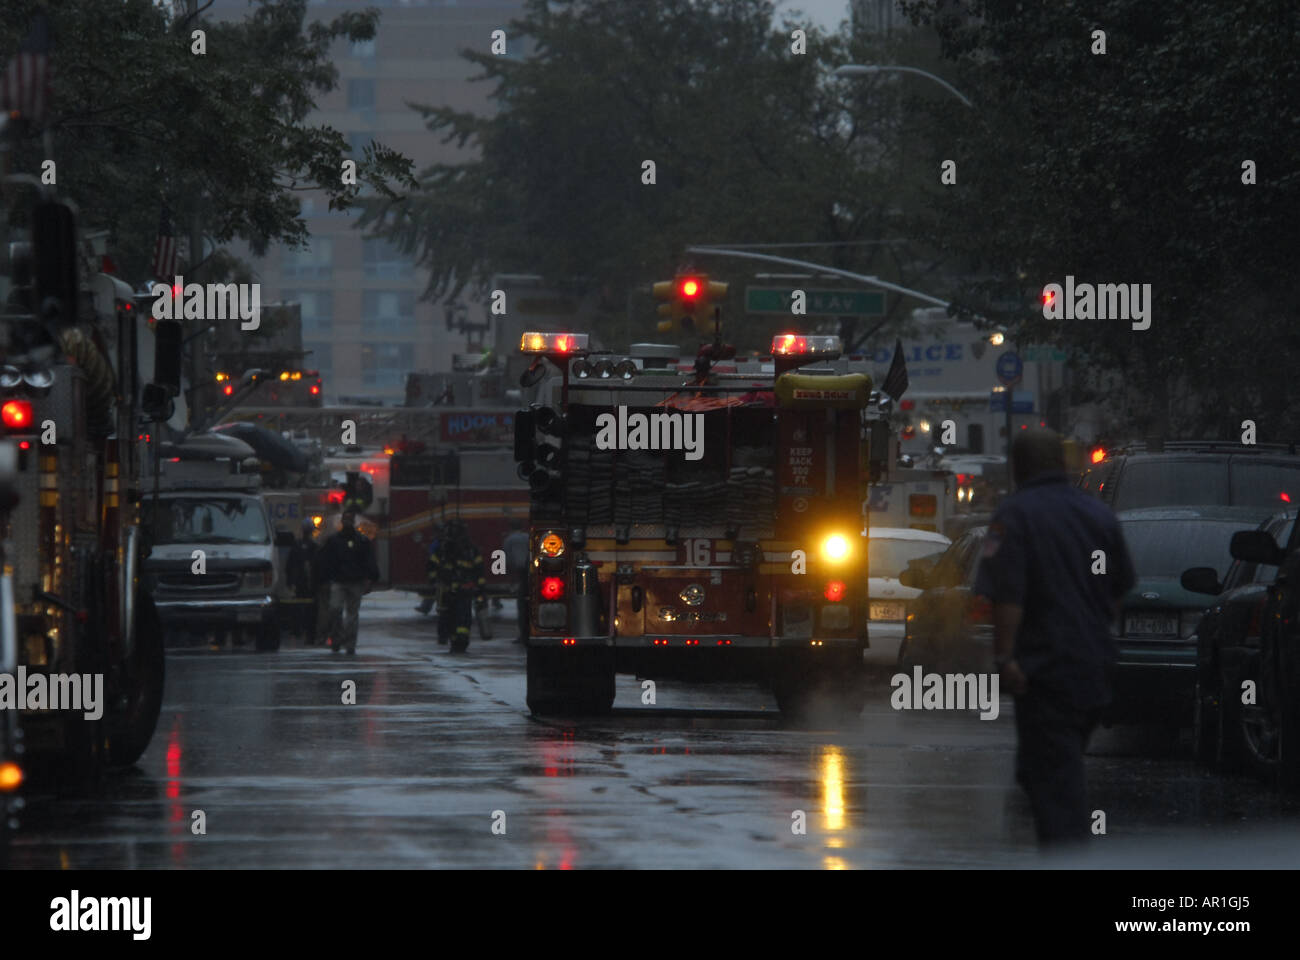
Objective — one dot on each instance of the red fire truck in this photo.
(699, 520)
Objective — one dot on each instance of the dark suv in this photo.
(1274, 708)
(1229, 733)
(1196, 474)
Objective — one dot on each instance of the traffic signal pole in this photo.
(849, 274)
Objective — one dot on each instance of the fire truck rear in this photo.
(71, 604)
(701, 521)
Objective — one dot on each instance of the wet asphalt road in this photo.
(413, 774)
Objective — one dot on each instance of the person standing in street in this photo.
(515, 546)
(1054, 565)
(347, 564)
(301, 572)
(461, 577)
(430, 595)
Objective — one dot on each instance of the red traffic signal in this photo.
(688, 288)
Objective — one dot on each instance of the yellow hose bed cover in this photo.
(808, 391)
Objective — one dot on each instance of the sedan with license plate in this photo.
(1154, 633)
(889, 551)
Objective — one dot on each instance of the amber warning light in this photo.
(555, 343)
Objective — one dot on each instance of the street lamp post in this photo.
(860, 69)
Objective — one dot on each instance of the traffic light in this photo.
(689, 303)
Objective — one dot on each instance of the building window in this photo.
(317, 309)
(388, 311)
(385, 364)
(384, 259)
(317, 260)
(361, 94)
(364, 49)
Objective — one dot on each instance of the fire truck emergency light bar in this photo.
(791, 344)
(552, 343)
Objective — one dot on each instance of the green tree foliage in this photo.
(1127, 167)
(752, 143)
(137, 119)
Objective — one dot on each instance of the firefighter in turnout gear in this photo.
(459, 575)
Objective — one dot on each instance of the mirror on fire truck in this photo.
(156, 402)
(54, 245)
(167, 356)
(525, 430)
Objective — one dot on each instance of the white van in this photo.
(211, 564)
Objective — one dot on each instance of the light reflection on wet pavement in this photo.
(440, 747)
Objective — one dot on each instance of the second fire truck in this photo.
(699, 521)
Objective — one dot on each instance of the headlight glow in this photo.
(835, 548)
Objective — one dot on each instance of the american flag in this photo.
(896, 379)
(164, 251)
(25, 86)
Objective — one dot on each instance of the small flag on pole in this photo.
(896, 379)
(164, 251)
(25, 86)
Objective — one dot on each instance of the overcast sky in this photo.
(826, 13)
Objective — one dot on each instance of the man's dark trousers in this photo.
(1049, 764)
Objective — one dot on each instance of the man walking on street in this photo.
(1054, 565)
(347, 564)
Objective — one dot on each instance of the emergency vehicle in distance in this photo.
(744, 560)
(77, 414)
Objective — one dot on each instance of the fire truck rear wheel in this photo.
(570, 682)
(823, 693)
(142, 689)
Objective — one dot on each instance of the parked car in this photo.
(1273, 718)
(889, 550)
(1265, 477)
(1227, 733)
(1154, 635)
(948, 628)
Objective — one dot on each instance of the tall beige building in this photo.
(362, 315)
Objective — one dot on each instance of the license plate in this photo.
(1151, 626)
(886, 611)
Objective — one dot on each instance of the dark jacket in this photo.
(347, 557)
(1040, 553)
(458, 566)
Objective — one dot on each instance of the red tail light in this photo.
(980, 610)
(16, 414)
(552, 588)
